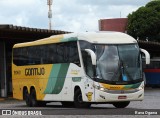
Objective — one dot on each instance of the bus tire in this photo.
(121, 104)
(26, 97)
(78, 100)
(33, 100)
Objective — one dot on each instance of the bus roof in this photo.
(92, 37)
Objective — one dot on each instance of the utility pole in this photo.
(49, 3)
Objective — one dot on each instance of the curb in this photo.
(1, 99)
(7, 98)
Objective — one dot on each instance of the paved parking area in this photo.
(150, 104)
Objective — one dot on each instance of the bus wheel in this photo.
(33, 100)
(67, 104)
(121, 104)
(78, 101)
(26, 97)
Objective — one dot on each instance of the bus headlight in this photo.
(102, 89)
(99, 88)
(140, 88)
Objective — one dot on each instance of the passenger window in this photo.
(47, 54)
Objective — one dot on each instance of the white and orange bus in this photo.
(79, 69)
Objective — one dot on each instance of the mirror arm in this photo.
(147, 55)
(93, 56)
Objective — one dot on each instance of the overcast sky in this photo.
(67, 15)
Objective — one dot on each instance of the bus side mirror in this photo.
(147, 55)
(93, 56)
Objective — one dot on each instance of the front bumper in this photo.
(101, 96)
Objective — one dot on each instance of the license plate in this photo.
(122, 97)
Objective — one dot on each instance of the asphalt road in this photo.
(149, 107)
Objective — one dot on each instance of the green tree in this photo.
(145, 22)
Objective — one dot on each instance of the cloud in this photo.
(68, 15)
(30, 13)
(113, 2)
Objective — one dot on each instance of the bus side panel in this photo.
(59, 87)
(17, 92)
(55, 82)
(152, 72)
(82, 82)
(74, 76)
(152, 77)
(30, 76)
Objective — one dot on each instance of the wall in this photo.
(116, 24)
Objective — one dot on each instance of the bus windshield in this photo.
(117, 64)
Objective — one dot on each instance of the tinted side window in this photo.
(60, 53)
(20, 56)
(73, 53)
(46, 54)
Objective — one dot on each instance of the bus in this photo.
(152, 73)
(79, 69)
